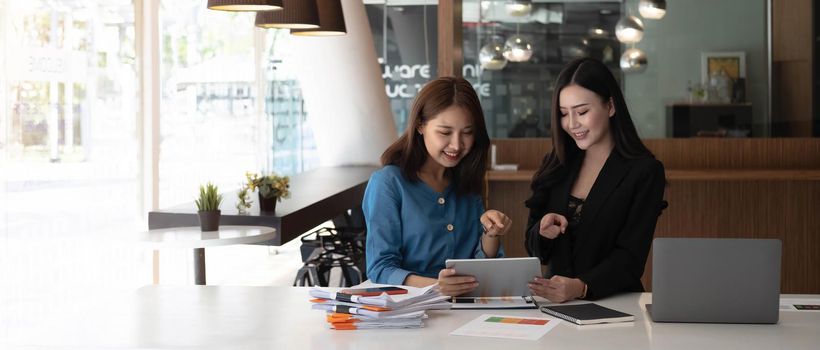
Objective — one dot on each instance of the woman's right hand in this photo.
(552, 225)
(452, 285)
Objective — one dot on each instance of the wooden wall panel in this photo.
(508, 197)
(450, 55)
(791, 30)
(784, 210)
(527, 153)
(792, 98)
(691, 153)
(792, 59)
(747, 153)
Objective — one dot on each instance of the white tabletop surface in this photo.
(219, 317)
(193, 237)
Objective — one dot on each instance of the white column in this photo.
(5, 108)
(5, 135)
(344, 92)
(68, 116)
(259, 93)
(147, 23)
(68, 108)
(53, 121)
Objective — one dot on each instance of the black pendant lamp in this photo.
(297, 14)
(331, 20)
(245, 5)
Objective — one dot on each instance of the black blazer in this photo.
(608, 249)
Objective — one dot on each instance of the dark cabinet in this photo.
(720, 120)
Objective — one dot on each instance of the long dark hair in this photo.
(593, 75)
(409, 152)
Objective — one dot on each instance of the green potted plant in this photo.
(208, 207)
(244, 201)
(272, 189)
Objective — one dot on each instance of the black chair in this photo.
(342, 247)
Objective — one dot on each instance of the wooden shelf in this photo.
(709, 104)
(743, 175)
(507, 175)
(690, 175)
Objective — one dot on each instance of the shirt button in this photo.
(450, 227)
(441, 200)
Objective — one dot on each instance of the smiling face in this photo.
(585, 117)
(448, 136)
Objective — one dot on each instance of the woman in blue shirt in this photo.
(425, 206)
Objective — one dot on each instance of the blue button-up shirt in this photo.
(413, 229)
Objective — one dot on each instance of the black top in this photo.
(575, 206)
(607, 246)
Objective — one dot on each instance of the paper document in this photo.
(508, 327)
(351, 322)
(795, 304)
(368, 312)
(414, 295)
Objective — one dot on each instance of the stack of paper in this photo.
(347, 311)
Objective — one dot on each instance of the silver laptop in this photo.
(715, 280)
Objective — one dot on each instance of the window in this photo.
(289, 128)
(68, 108)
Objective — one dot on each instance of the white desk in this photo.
(216, 317)
(193, 237)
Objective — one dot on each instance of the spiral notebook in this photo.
(589, 313)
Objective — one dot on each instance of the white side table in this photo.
(193, 237)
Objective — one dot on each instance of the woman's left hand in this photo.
(557, 289)
(495, 223)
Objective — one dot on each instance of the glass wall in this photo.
(213, 126)
(706, 70)
(208, 115)
(292, 147)
(516, 96)
(406, 38)
(70, 165)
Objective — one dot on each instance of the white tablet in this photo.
(498, 277)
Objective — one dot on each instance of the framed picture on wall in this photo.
(733, 63)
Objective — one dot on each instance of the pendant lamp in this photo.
(652, 9)
(491, 56)
(297, 14)
(597, 30)
(517, 48)
(331, 20)
(634, 61)
(629, 30)
(518, 8)
(245, 5)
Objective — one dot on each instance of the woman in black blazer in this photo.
(597, 196)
